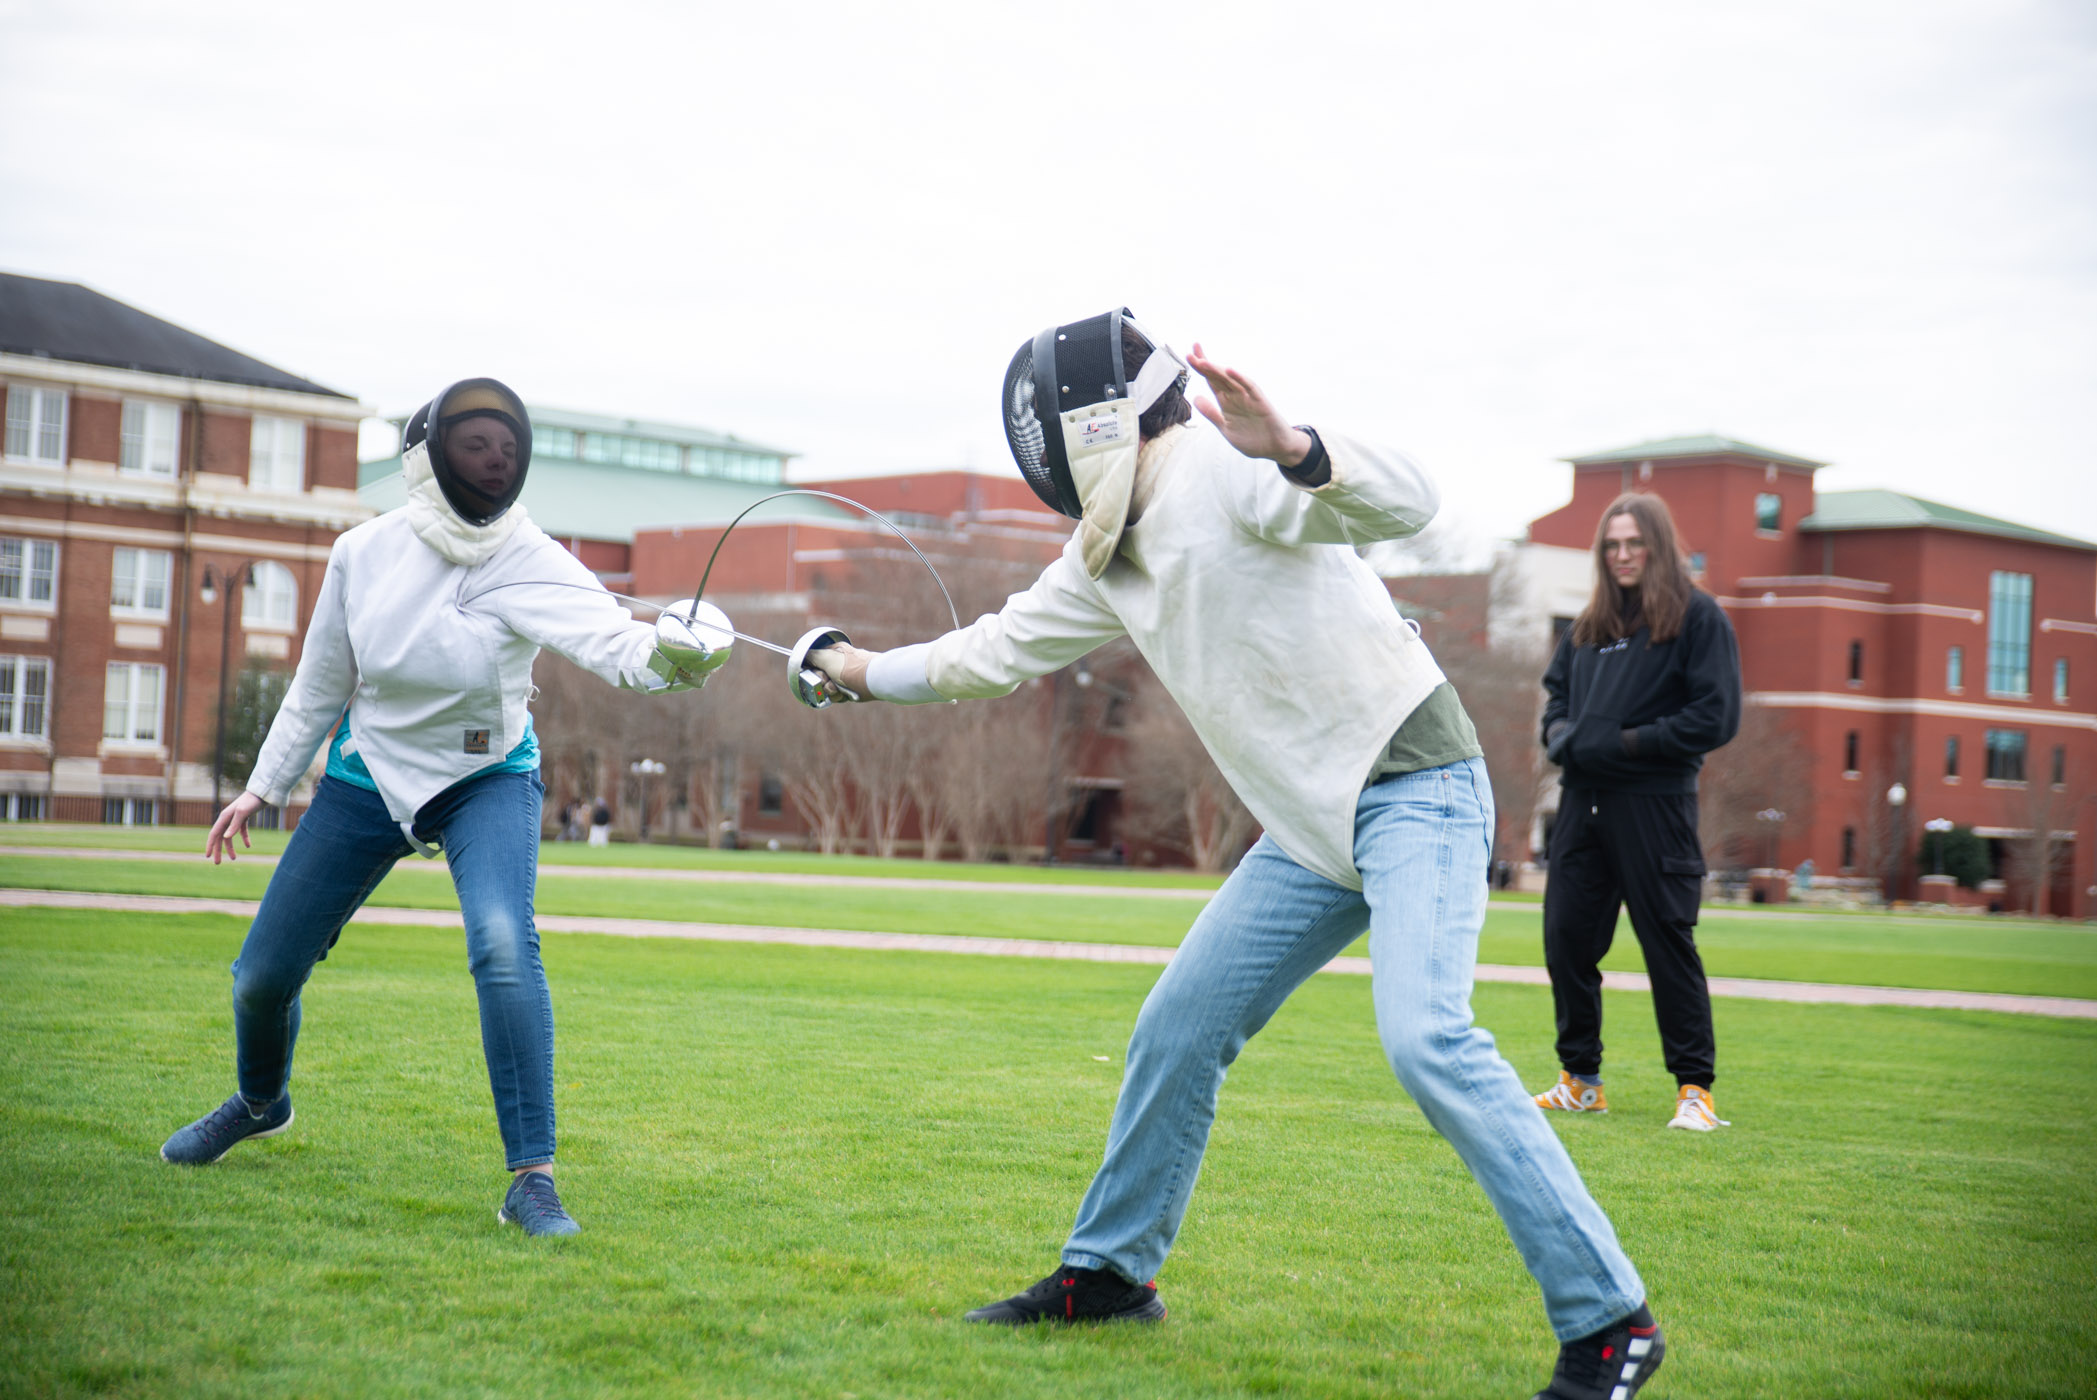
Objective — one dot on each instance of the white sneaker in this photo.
(1694, 1111)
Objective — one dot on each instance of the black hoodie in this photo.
(1640, 715)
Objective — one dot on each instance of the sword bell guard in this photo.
(809, 685)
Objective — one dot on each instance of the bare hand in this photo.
(1244, 416)
(231, 822)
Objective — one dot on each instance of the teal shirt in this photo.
(349, 767)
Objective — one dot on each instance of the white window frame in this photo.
(124, 699)
(17, 696)
(33, 560)
(29, 408)
(271, 602)
(147, 567)
(277, 455)
(149, 439)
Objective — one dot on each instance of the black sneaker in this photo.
(1610, 1365)
(533, 1203)
(215, 1134)
(1072, 1294)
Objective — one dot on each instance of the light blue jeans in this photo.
(1421, 842)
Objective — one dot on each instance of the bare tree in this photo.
(2045, 814)
(1767, 767)
(1176, 796)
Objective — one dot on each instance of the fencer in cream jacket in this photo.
(434, 658)
(1244, 593)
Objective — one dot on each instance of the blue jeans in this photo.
(1421, 842)
(489, 828)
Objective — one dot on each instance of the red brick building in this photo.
(147, 471)
(1939, 665)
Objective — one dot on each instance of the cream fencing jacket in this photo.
(434, 659)
(1244, 593)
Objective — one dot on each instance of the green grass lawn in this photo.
(796, 1167)
(2048, 959)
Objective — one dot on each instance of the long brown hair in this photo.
(1663, 589)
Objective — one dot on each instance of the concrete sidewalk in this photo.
(908, 882)
(1743, 987)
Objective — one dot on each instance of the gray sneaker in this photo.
(214, 1135)
(533, 1203)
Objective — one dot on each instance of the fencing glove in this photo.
(845, 665)
(691, 643)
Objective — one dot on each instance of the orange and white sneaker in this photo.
(1569, 1095)
(1694, 1111)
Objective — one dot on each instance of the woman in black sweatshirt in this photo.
(1642, 686)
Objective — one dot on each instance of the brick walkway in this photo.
(1745, 987)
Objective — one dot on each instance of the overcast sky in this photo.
(1494, 234)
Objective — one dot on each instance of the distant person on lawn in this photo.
(421, 644)
(1642, 686)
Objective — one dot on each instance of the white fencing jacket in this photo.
(434, 659)
(1244, 593)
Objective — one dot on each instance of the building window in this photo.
(2060, 680)
(1856, 663)
(1849, 752)
(2059, 776)
(130, 811)
(151, 437)
(138, 582)
(553, 442)
(1955, 670)
(25, 692)
(771, 795)
(22, 807)
(2005, 755)
(36, 424)
(131, 703)
(1769, 511)
(28, 572)
(2009, 634)
(1849, 846)
(270, 602)
(277, 456)
(1951, 757)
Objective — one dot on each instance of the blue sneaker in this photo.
(214, 1135)
(533, 1203)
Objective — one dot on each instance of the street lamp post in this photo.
(1937, 827)
(245, 571)
(1772, 821)
(644, 769)
(1058, 800)
(1897, 799)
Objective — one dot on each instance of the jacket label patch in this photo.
(476, 741)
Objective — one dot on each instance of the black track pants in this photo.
(1640, 850)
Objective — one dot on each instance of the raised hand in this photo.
(1244, 416)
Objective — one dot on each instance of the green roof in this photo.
(588, 501)
(1699, 445)
(543, 417)
(1894, 510)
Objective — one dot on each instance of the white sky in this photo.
(1495, 234)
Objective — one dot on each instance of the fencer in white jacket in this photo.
(1234, 573)
(419, 656)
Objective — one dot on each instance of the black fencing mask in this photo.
(479, 440)
(1065, 392)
